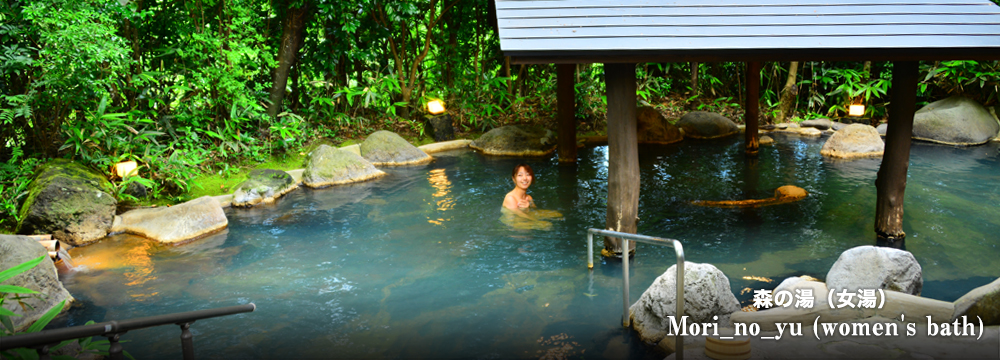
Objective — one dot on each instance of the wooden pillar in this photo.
(752, 108)
(566, 102)
(623, 155)
(891, 181)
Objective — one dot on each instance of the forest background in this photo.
(198, 88)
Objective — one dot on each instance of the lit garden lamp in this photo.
(855, 115)
(439, 122)
(126, 169)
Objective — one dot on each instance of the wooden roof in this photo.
(584, 31)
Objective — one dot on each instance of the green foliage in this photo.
(15, 176)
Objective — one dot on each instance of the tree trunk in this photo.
(623, 163)
(292, 36)
(751, 113)
(890, 182)
(694, 78)
(788, 93)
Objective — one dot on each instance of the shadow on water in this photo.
(417, 264)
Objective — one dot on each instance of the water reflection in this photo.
(442, 201)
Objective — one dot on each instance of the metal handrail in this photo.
(43, 340)
(678, 249)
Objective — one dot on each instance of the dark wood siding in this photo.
(684, 30)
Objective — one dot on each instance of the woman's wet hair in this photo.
(513, 174)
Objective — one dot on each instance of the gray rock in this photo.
(441, 128)
(766, 140)
(178, 223)
(822, 124)
(263, 185)
(871, 267)
(706, 125)
(983, 301)
(653, 128)
(836, 126)
(68, 201)
(139, 191)
(516, 140)
(386, 148)
(956, 120)
(42, 278)
(854, 141)
(882, 128)
(327, 166)
(706, 294)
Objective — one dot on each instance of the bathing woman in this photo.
(519, 203)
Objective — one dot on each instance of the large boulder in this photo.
(327, 166)
(68, 201)
(706, 294)
(173, 224)
(385, 148)
(956, 120)
(653, 128)
(516, 140)
(263, 186)
(983, 301)
(854, 141)
(871, 267)
(706, 125)
(43, 278)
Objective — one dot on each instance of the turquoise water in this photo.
(417, 264)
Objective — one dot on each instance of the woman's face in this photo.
(522, 179)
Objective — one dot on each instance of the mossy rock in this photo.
(70, 202)
(956, 120)
(263, 186)
(516, 140)
(982, 302)
(706, 125)
(327, 166)
(653, 128)
(386, 148)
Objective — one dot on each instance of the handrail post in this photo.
(590, 250)
(187, 340)
(115, 347)
(679, 283)
(626, 319)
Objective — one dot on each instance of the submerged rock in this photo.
(784, 194)
(68, 201)
(956, 120)
(706, 294)
(653, 128)
(854, 141)
(983, 301)
(516, 140)
(386, 148)
(181, 222)
(42, 278)
(706, 125)
(871, 267)
(263, 186)
(327, 166)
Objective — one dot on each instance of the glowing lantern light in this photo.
(126, 168)
(435, 107)
(856, 110)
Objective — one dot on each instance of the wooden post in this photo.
(891, 181)
(566, 102)
(623, 155)
(752, 108)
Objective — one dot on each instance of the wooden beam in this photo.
(891, 181)
(752, 108)
(643, 56)
(623, 154)
(566, 103)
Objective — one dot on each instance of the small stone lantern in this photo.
(440, 126)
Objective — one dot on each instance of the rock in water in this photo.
(983, 301)
(706, 294)
(854, 141)
(766, 140)
(822, 124)
(870, 267)
(263, 185)
(68, 201)
(653, 128)
(385, 148)
(516, 140)
(956, 120)
(327, 166)
(42, 278)
(706, 125)
(178, 223)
